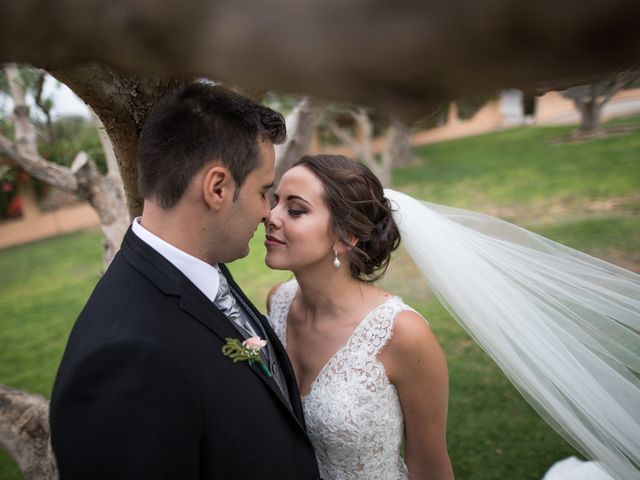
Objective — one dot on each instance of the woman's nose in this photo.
(272, 220)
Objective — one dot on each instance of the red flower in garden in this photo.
(7, 187)
(14, 209)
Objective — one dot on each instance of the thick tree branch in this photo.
(402, 57)
(49, 172)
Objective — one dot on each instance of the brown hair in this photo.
(195, 125)
(359, 210)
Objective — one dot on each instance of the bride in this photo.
(369, 370)
(563, 326)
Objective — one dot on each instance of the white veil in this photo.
(563, 326)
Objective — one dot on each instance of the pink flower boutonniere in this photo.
(247, 351)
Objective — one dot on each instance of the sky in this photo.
(65, 102)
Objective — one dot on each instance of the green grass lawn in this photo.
(586, 195)
(531, 172)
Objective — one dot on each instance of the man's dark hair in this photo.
(195, 125)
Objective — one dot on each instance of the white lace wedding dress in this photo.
(352, 412)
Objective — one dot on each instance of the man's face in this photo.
(252, 205)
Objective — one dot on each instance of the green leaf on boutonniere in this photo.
(247, 351)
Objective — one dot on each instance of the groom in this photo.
(144, 390)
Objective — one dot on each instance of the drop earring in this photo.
(336, 260)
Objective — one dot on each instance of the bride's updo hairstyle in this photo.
(359, 210)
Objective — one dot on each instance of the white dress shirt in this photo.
(202, 275)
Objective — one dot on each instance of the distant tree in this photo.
(357, 128)
(58, 165)
(590, 100)
(301, 121)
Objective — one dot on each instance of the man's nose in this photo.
(267, 212)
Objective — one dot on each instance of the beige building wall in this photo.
(487, 119)
(35, 225)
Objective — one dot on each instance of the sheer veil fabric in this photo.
(562, 325)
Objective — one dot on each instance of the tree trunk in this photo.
(398, 145)
(590, 118)
(364, 139)
(24, 433)
(590, 99)
(104, 194)
(122, 102)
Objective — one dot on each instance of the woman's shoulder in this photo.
(280, 290)
(412, 347)
(272, 292)
(410, 328)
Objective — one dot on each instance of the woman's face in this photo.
(298, 233)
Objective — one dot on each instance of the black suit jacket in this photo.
(144, 391)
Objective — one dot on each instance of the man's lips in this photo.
(271, 240)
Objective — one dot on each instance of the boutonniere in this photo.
(247, 351)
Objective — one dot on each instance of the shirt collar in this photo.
(202, 275)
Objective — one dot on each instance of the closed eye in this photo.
(296, 213)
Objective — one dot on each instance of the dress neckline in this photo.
(347, 342)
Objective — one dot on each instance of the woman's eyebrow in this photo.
(297, 197)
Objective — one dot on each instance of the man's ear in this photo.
(218, 187)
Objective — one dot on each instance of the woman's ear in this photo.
(218, 187)
(341, 248)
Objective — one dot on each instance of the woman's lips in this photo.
(272, 241)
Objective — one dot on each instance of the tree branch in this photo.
(107, 146)
(335, 49)
(619, 81)
(38, 167)
(24, 433)
(342, 134)
(301, 124)
(365, 135)
(25, 150)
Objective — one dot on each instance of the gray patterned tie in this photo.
(228, 305)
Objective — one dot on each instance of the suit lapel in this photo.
(151, 264)
(281, 354)
(171, 281)
(196, 304)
